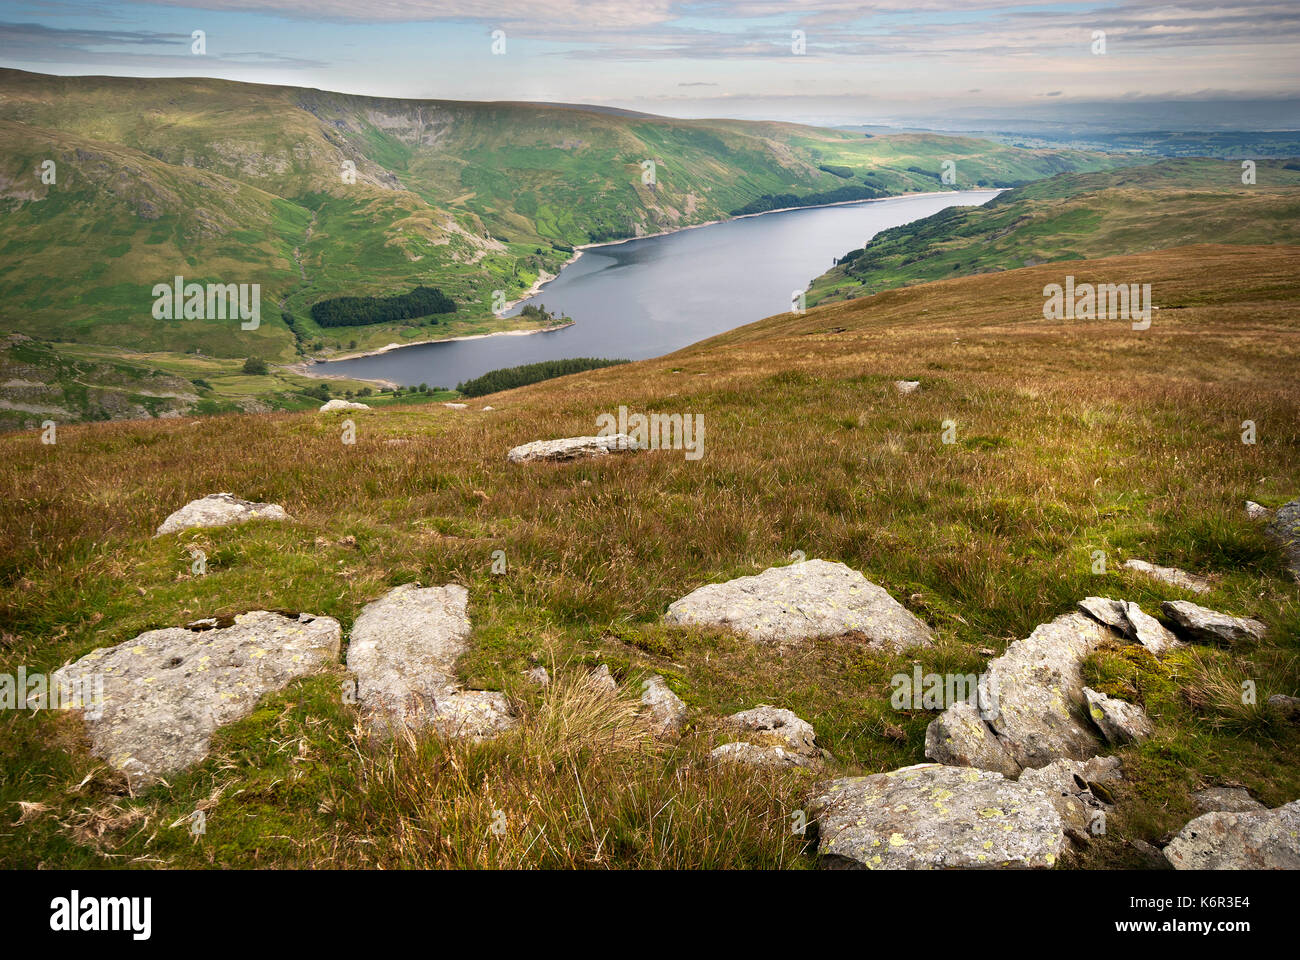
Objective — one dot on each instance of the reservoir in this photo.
(648, 297)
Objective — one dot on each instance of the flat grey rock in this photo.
(1262, 840)
(167, 691)
(572, 448)
(667, 710)
(807, 600)
(931, 816)
(1226, 800)
(403, 651)
(1119, 721)
(219, 510)
(1285, 529)
(907, 386)
(1172, 576)
(1209, 626)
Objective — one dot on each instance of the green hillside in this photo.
(1075, 217)
(224, 182)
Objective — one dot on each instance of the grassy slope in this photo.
(242, 183)
(1077, 216)
(1072, 437)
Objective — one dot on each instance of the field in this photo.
(1071, 437)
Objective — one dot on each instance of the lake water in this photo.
(644, 298)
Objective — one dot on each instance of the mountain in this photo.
(233, 183)
(1077, 216)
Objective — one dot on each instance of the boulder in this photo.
(1119, 721)
(1209, 626)
(219, 510)
(907, 386)
(1259, 840)
(572, 448)
(667, 710)
(771, 737)
(807, 600)
(456, 406)
(1285, 529)
(1289, 707)
(1225, 800)
(959, 737)
(167, 691)
(403, 651)
(1129, 620)
(331, 406)
(1172, 576)
(931, 816)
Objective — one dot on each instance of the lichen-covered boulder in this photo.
(932, 816)
(167, 691)
(219, 510)
(807, 600)
(1209, 626)
(1119, 721)
(960, 737)
(572, 448)
(1038, 684)
(1288, 707)
(1078, 789)
(1260, 840)
(472, 714)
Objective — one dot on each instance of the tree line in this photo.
(355, 311)
(508, 378)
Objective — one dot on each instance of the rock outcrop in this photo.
(1209, 626)
(1078, 789)
(332, 406)
(1260, 840)
(403, 652)
(167, 691)
(572, 448)
(1035, 705)
(802, 601)
(219, 510)
(931, 816)
(1129, 620)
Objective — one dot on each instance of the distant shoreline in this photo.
(303, 367)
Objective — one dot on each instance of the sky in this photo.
(823, 61)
